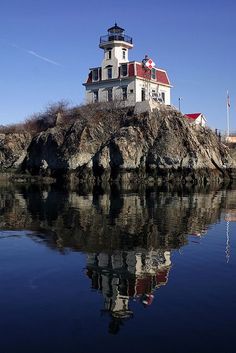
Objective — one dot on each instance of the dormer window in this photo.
(124, 70)
(153, 74)
(95, 74)
(123, 54)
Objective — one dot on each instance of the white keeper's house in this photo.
(123, 80)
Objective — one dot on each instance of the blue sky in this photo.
(47, 46)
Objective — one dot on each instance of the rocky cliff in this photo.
(13, 149)
(123, 146)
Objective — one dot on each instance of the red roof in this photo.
(161, 75)
(89, 80)
(193, 116)
(131, 69)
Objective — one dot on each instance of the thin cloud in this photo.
(33, 53)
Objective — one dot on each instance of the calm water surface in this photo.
(117, 272)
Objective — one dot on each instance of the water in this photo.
(112, 271)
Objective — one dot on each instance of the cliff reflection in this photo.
(104, 222)
(128, 238)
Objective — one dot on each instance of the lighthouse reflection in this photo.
(127, 275)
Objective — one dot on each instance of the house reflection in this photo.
(127, 275)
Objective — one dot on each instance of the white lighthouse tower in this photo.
(118, 79)
(116, 47)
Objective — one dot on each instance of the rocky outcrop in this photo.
(161, 143)
(13, 149)
(148, 146)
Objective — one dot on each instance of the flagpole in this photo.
(227, 107)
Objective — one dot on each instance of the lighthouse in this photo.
(121, 80)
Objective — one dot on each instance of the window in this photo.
(159, 97)
(124, 93)
(163, 97)
(153, 74)
(109, 72)
(124, 70)
(131, 91)
(124, 54)
(154, 95)
(143, 94)
(109, 54)
(109, 94)
(95, 74)
(95, 96)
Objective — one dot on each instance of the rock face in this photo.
(13, 149)
(138, 147)
(233, 151)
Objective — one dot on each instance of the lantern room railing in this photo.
(112, 37)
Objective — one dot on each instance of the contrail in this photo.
(33, 53)
(43, 58)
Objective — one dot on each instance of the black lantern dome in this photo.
(115, 30)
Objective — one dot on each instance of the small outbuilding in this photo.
(196, 119)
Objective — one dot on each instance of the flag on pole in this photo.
(228, 100)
